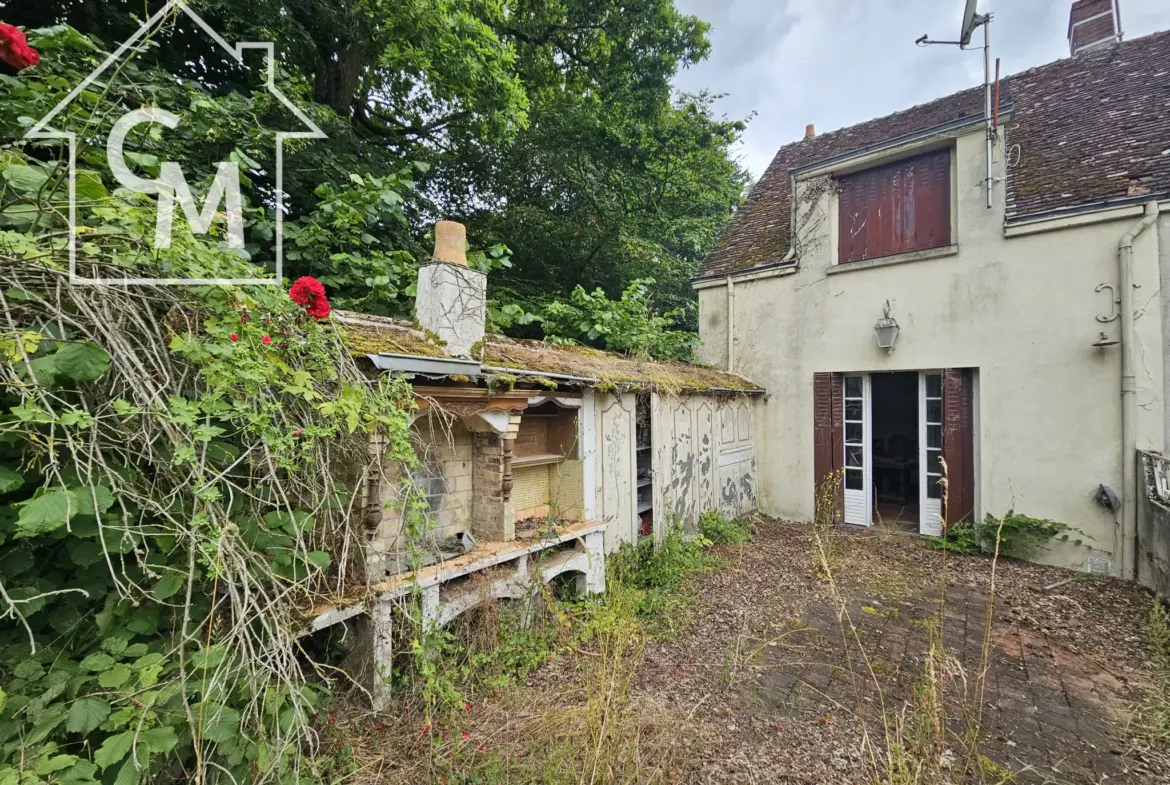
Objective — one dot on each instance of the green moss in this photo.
(540, 381)
(363, 339)
(615, 372)
(459, 377)
(502, 382)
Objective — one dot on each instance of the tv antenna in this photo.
(972, 19)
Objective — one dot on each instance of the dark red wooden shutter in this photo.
(958, 447)
(828, 430)
(897, 208)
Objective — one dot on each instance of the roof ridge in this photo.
(1066, 144)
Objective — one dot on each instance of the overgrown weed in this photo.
(654, 576)
(718, 530)
(827, 553)
(1149, 728)
(922, 742)
(538, 690)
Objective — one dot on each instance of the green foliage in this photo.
(551, 127)
(175, 464)
(720, 531)
(1019, 536)
(650, 577)
(628, 325)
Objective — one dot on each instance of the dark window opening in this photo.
(895, 449)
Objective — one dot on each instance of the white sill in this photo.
(914, 256)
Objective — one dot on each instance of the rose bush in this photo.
(14, 48)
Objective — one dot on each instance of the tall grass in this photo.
(935, 736)
(573, 721)
(1149, 727)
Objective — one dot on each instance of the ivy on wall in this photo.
(176, 468)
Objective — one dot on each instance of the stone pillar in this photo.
(492, 516)
(594, 582)
(382, 621)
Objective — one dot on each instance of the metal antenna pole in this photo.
(987, 105)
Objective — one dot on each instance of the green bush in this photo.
(654, 575)
(1019, 536)
(720, 531)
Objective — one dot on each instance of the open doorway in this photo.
(895, 465)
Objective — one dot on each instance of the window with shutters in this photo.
(894, 209)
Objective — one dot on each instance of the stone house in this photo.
(980, 287)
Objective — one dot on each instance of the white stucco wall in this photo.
(1020, 310)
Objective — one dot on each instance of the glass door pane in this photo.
(930, 453)
(856, 457)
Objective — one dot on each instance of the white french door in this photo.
(930, 407)
(858, 469)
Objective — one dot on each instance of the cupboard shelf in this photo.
(536, 460)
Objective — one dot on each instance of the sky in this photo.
(834, 63)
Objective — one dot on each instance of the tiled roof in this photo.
(1090, 129)
(377, 335)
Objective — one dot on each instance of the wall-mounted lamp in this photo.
(886, 329)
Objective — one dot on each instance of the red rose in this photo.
(14, 48)
(310, 292)
(266, 340)
(233, 337)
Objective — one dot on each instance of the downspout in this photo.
(1127, 547)
(730, 324)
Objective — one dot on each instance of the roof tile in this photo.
(1090, 129)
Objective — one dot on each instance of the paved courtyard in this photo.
(789, 670)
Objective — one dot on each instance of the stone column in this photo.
(492, 517)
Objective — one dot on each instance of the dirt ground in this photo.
(775, 686)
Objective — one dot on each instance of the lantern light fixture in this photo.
(886, 330)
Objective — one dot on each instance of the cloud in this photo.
(839, 62)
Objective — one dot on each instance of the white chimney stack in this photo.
(451, 301)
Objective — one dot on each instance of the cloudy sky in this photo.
(838, 62)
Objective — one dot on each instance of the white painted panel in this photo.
(705, 454)
(857, 450)
(587, 438)
(615, 468)
(930, 510)
(736, 459)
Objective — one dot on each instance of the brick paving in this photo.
(1051, 714)
(775, 687)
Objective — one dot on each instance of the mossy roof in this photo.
(380, 335)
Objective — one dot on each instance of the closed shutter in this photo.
(898, 208)
(828, 432)
(959, 444)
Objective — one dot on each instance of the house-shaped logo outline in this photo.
(41, 130)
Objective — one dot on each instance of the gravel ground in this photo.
(774, 695)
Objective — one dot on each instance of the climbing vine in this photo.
(178, 477)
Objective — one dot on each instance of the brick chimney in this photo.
(1093, 23)
(451, 300)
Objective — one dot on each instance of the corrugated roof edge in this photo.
(532, 361)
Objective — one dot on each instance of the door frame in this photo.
(866, 448)
(927, 506)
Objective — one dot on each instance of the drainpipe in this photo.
(730, 324)
(1127, 547)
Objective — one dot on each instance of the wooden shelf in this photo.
(643, 447)
(536, 460)
(645, 507)
(642, 483)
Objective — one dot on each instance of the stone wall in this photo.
(444, 476)
(1153, 557)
